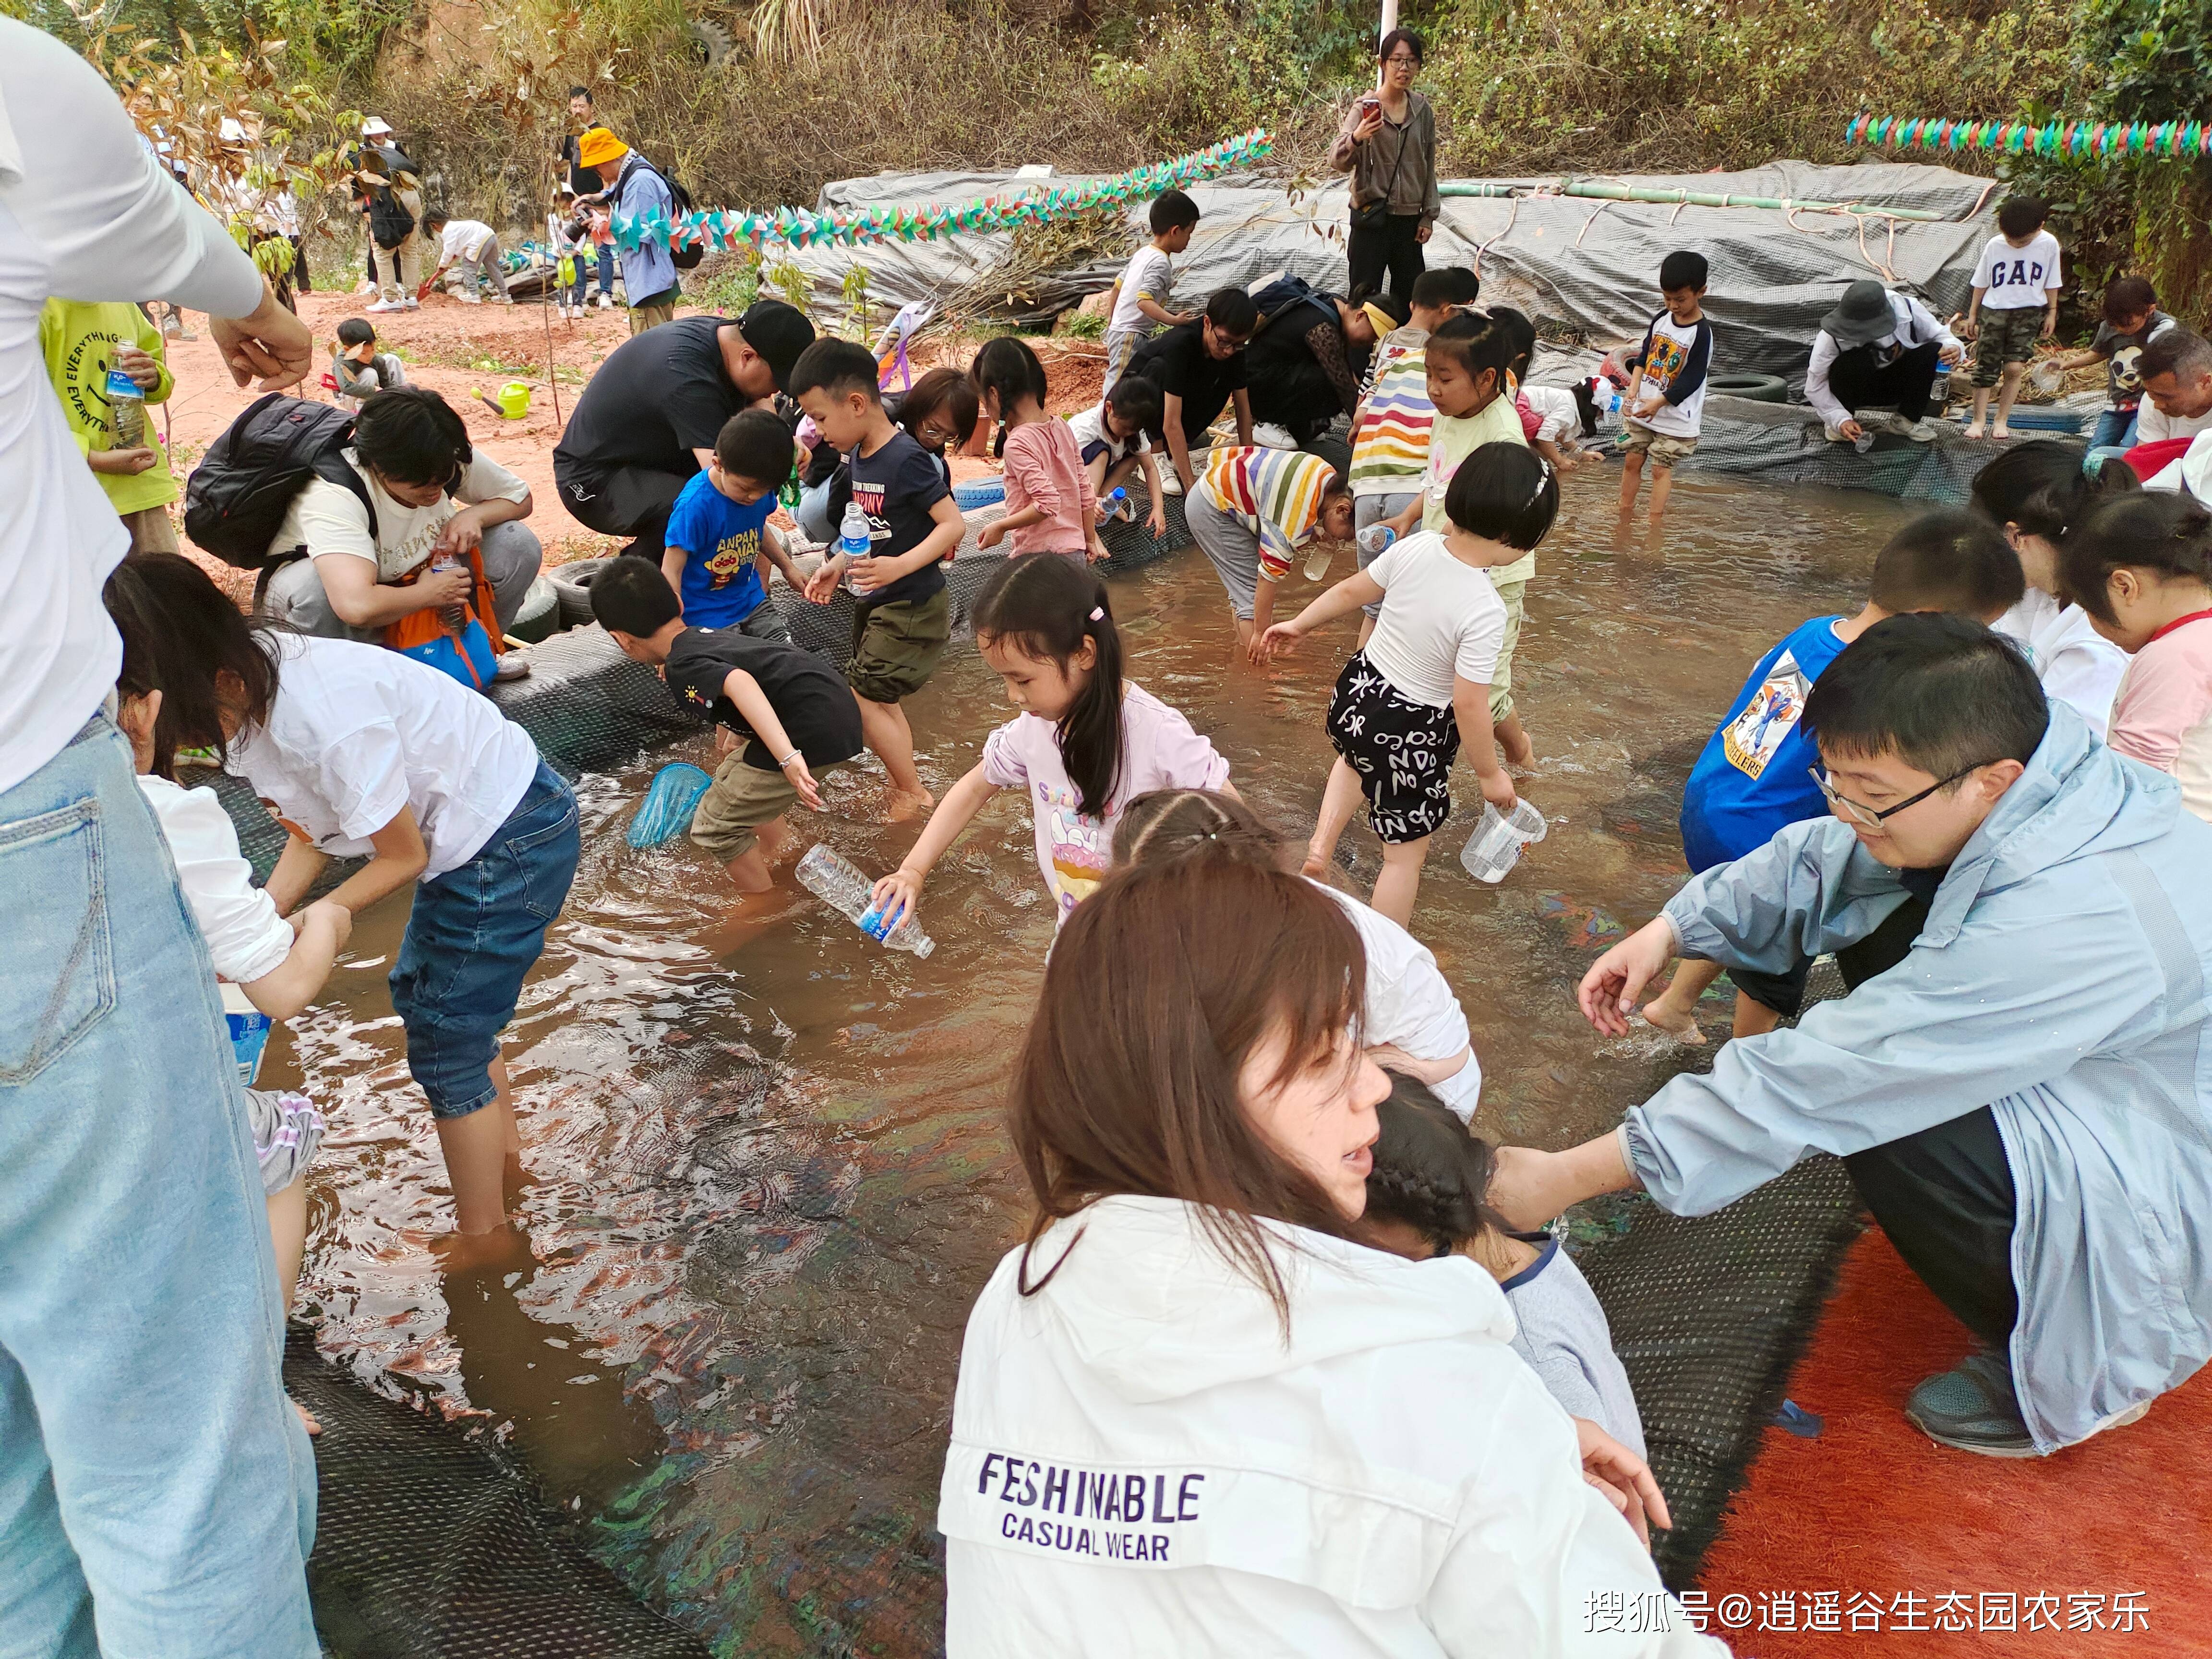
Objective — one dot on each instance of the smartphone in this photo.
(1369, 102)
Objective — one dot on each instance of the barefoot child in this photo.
(789, 708)
(1252, 511)
(1413, 1025)
(1111, 438)
(902, 615)
(1755, 775)
(360, 752)
(718, 531)
(2015, 304)
(1666, 399)
(1420, 686)
(1050, 508)
(937, 412)
(1085, 743)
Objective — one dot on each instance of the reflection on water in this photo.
(766, 1190)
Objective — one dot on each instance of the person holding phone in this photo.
(1389, 146)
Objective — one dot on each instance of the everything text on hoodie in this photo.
(1141, 1464)
(2059, 980)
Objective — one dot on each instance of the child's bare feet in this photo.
(2000, 432)
(1316, 868)
(307, 1419)
(1677, 1022)
(1975, 430)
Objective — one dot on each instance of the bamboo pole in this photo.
(1605, 191)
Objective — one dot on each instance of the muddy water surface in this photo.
(769, 1181)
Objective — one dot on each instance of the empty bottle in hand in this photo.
(854, 543)
(839, 884)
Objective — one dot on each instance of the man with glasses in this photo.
(2019, 1098)
(1199, 367)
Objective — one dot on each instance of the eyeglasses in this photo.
(1401, 60)
(1222, 337)
(1865, 815)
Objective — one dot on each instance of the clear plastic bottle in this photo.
(1317, 559)
(455, 617)
(126, 411)
(1374, 538)
(854, 543)
(1116, 505)
(1495, 846)
(839, 884)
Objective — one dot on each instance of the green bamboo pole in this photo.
(1600, 190)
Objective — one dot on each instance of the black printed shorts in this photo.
(1402, 749)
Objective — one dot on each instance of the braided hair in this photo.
(1431, 1174)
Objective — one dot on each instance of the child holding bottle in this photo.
(1050, 507)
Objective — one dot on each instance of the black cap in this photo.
(1863, 315)
(778, 332)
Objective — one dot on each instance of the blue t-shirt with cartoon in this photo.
(1755, 775)
(721, 543)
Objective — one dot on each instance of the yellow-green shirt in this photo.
(79, 338)
(1452, 441)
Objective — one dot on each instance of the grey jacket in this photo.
(1399, 160)
(2059, 980)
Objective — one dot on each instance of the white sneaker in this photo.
(469, 299)
(1271, 436)
(385, 305)
(1921, 432)
(606, 302)
(1170, 482)
(411, 303)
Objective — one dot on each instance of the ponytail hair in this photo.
(2040, 489)
(1474, 341)
(1162, 824)
(1008, 368)
(2169, 534)
(1045, 607)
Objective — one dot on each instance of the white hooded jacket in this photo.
(1139, 1463)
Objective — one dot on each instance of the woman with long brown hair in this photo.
(1196, 1413)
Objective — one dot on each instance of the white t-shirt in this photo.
(357, 732)
(244, 933)
(87, 214)
(1410, 1004)
(1150, 276)
(1556, 411)
(2017, 278)
(1440, 618)
(1091, 435)
(326, 518)
(2152, 426)
(463, 239)
(2077, 664)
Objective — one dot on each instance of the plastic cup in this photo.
(1495, 846)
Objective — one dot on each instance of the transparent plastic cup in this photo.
(1495, 846)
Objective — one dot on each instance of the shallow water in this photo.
(767, 1183)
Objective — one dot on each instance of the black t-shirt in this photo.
(658, 397)
(1177, 361)
(896, 486)
(584, 180)
(809, 697)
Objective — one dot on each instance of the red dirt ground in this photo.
(1872, 1510)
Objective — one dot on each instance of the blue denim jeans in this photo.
(157, 1493)
(2115, 429)
(473, 934)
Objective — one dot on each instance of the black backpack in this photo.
(236, 499)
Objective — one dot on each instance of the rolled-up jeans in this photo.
(157, 1492)
(511, 553)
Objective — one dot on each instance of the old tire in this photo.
(1757, 388)
(573, 583)
(539, 619)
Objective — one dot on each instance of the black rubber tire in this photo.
(539, 619)
(572, 582)
(1758, 388)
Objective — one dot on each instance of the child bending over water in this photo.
(1085, 743)
(1050, 508)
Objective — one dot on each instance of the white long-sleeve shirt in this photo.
(85, 214)
(1916, 326)
(245, 936)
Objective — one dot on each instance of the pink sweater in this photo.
(1044, 468)
(2162, 715)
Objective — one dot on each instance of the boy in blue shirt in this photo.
(719, 533)
(1755, 775)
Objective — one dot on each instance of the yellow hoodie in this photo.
(79, 338)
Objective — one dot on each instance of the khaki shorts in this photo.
(644, 317)
(1637, 438)
(740, 799)
(1515, 595)
(152, 530)
(896, 646)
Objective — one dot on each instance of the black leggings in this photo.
(1904, 385)
(1395, 247)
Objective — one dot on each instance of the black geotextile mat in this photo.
(429, 1542)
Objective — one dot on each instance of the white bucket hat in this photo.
(375, 127)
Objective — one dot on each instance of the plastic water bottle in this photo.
(1116, 505)
(854, 542)
(126, 411)
(1317, 560)
(455, 617)
(1376, 538)
(1495, 846)
(839, 884)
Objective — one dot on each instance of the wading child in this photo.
(1085, 743)
(1428, 1196)
(2141, 568)
(1050, 508)
(360, 752)
(791, 711)
(278, 970)
(1111, 438)
(1138, 307)
(937, 412)
(1549, 415)
(2036, 493)
(900, 616)
(358, 369)
(2131, 321)
(719, 533)
(1755, 775)
(1390, 433)
(2015, 304)
(82, 342)
(1413, 1025)
(1662, 411)
(1420, 686)
(1252, 511)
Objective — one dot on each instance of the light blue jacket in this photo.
(647, 270)
(2059, 980)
